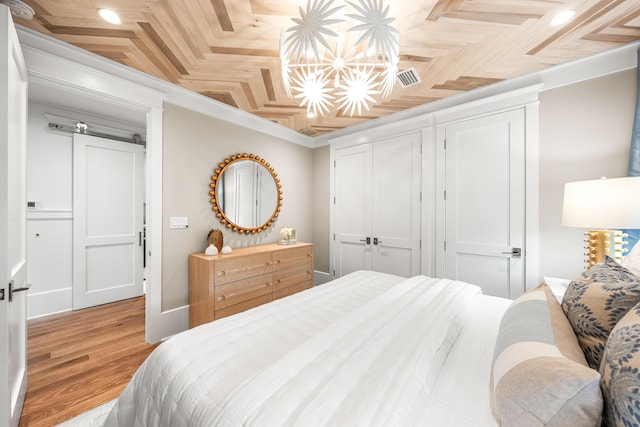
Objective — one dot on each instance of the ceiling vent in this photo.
(19, 9)
(409, 77)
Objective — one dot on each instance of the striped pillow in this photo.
(539, 373)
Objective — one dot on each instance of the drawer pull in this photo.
(221, 298)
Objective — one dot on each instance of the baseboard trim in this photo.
(51, 302)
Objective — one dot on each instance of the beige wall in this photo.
(193, 145)
(585, 133)
(321, 205)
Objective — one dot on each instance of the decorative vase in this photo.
(215, 238)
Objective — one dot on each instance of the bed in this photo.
(365, 349)
(373, 349)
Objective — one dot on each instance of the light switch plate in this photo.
(178, 222)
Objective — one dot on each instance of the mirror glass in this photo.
(246, 193)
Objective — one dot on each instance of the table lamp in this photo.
(604, 206)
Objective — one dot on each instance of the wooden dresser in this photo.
(223, 285)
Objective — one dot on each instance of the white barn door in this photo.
(485, 203)
(108, 206)
(13, 205)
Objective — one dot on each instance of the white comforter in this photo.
(365, 349)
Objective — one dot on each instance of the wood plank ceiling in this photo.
(228, 49)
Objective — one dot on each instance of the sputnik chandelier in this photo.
(340, 55)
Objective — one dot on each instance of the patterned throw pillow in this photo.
(595, 301)
(620, 372)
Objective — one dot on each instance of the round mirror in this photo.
(246, 193)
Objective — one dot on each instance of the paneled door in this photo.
(485, 203)
(108, 204)
(377, 206)
(13, 205)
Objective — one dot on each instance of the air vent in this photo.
(409, 77)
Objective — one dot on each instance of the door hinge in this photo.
(445, 194)
(445, 245)
(2, 294)
(334, 274)
(334, 236)
(334, 163)
(445, 144)
(421, 196)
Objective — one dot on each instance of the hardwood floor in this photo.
(82, 359)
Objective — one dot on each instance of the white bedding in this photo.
(366, 349)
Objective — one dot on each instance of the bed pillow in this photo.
(595, 301)
(620, 372)
(539, 373)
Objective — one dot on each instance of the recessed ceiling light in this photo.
(110, 16)
(562, 17)
(311, 115)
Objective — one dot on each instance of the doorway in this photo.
(60, 222)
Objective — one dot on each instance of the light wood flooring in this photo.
(82, 359)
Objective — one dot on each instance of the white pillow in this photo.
(632, 260)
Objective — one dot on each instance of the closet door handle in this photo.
(367, 240)
(376, 241)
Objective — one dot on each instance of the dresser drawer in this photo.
(292, 257)
(286, 278)
(240, 291)
(239, 308)
(238, 268)
(281, 293)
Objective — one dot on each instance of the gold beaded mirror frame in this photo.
(246, 194)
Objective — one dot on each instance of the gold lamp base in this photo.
(602, 243)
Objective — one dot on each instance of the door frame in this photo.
(85, 78)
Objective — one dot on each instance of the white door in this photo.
(396, 205)
(13, 267)
(377, 207)
(108, 203)
(352, 209)
(485, 208)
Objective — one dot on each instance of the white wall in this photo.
(585, 133)
(49, 182)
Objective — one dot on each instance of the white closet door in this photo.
(485, 209)
(396, 188)
(377, 207)
(352, 209)
(13, 263)
(108, 201)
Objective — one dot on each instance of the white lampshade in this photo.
(602, 203)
